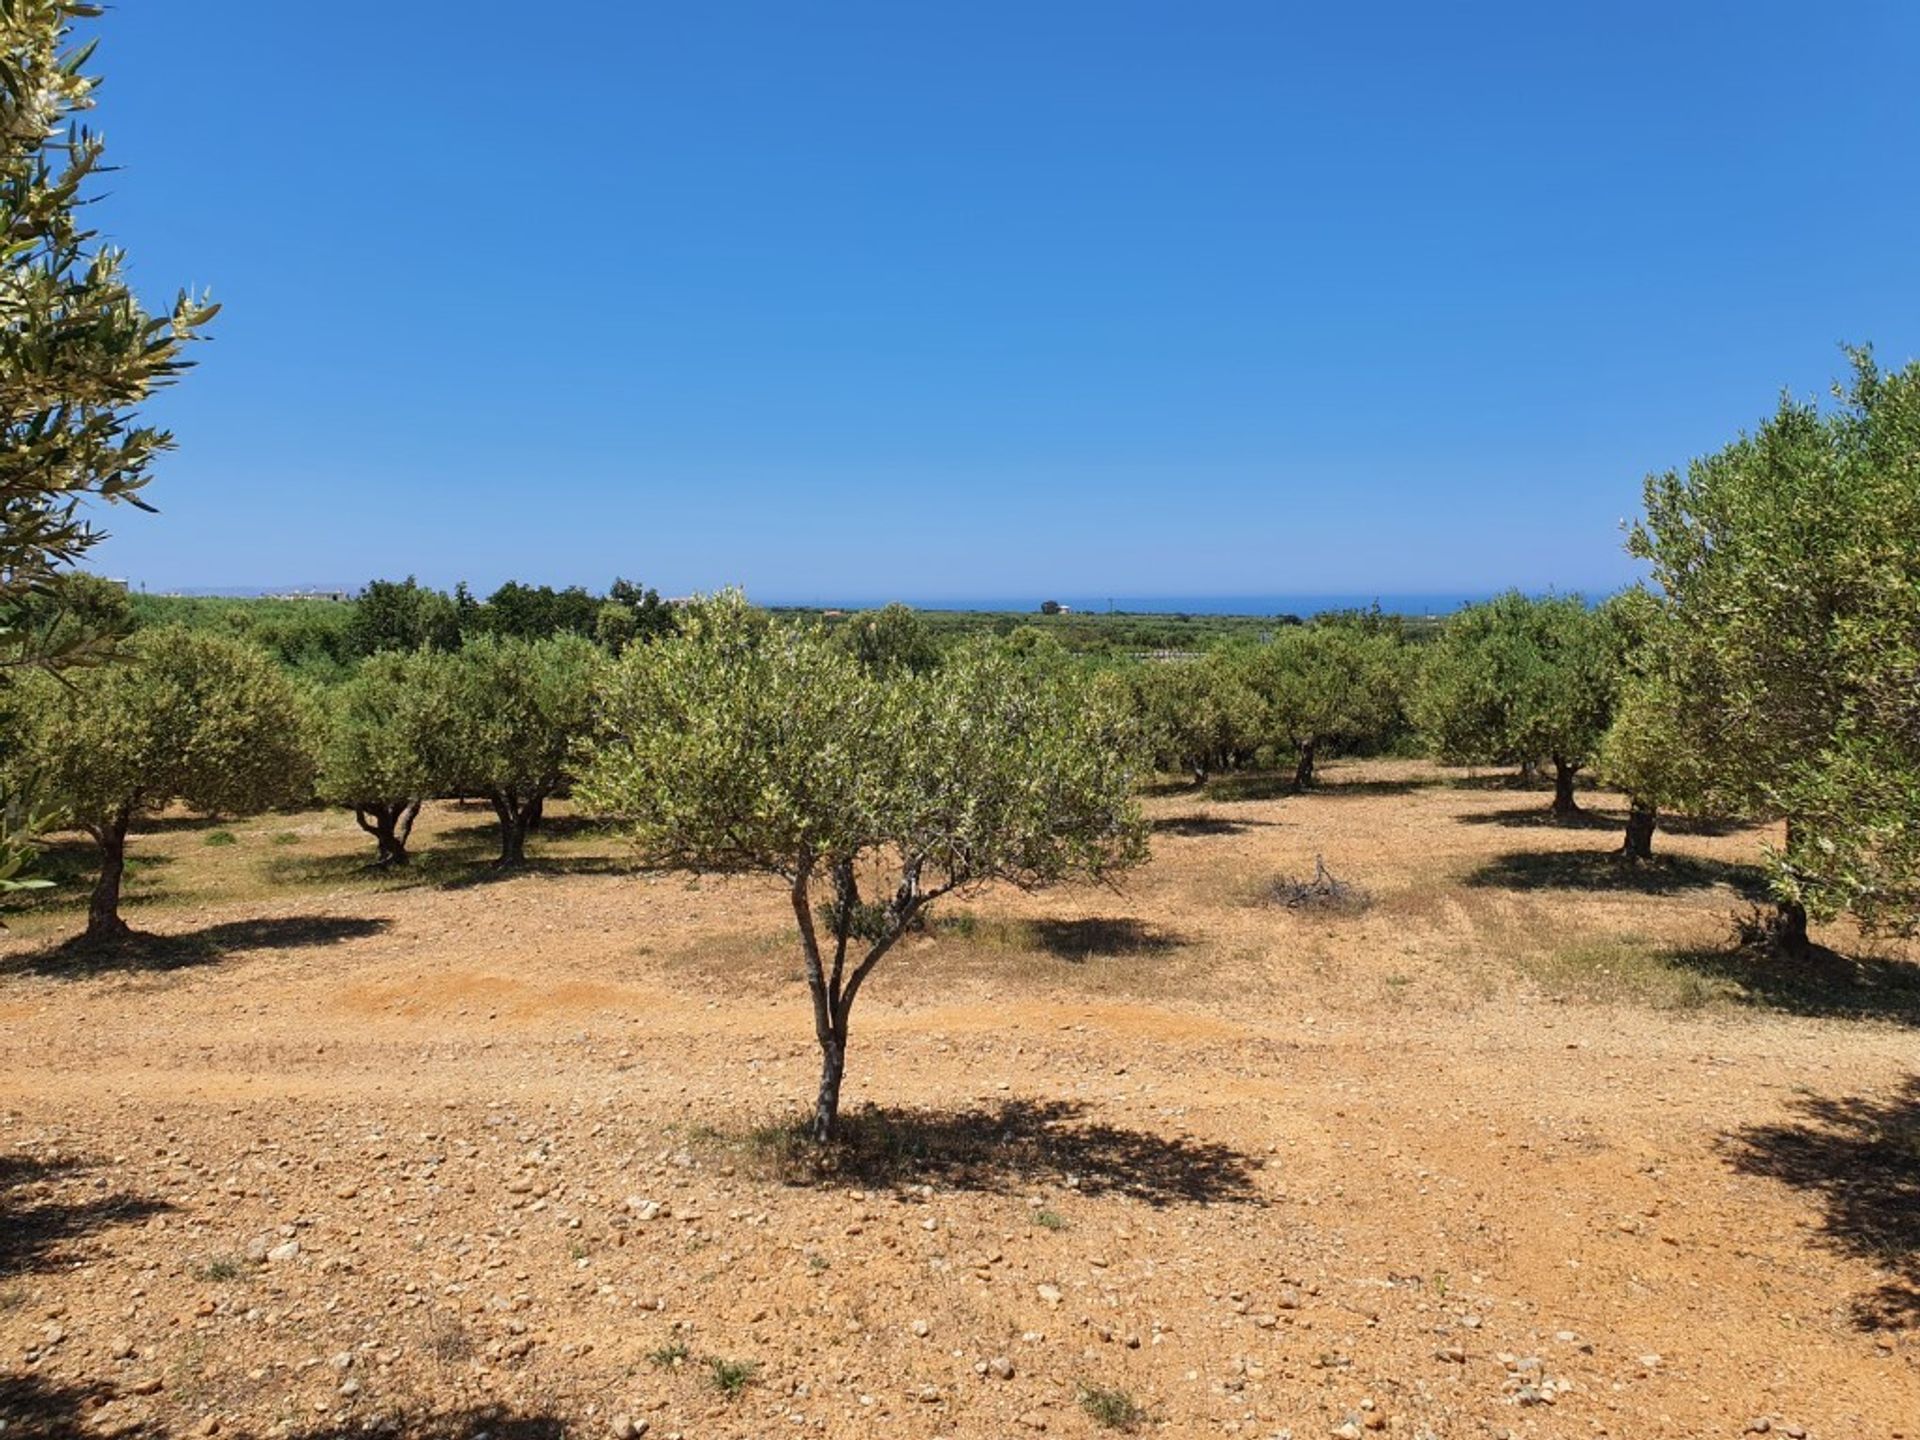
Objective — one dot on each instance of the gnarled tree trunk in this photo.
(1563, 802)
(1642, 815)
(516, 818)
(1303, 768)
(391, 826)
(103, 908)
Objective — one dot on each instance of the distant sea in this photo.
(1301, 605)
(1408, 603)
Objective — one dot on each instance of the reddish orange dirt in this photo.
(1521, 1149)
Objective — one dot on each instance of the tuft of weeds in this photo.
(670, 1356)
(1049, 1219)
(1111, 1409)
(730, 1377)
(448, 1339)
(286, 837)
(220, 837)
(221, 1268)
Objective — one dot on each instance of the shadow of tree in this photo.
(1608, 870)
(44, 1409)
(1825, 985)
(46, 1204)
(1005, 1148)
(1102, 935)
(80, 957)
(1541, 817)
(1861, 1155)
(1195, 827)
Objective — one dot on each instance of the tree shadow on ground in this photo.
(551, 827)
(1007, 1148)
(1194, 827)
(1609, 870)
(1076, 941)
(43, 1210)
(1861, 1156)
(1824, 985)
(44, 1409)
(81, 957)
(489, 873)
(1541, 817)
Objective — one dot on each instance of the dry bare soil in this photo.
(1522, 1148)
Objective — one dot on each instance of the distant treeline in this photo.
(325, 638)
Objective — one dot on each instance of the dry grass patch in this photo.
(1624, 970)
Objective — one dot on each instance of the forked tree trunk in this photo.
(103, 909)
(515, 816)
(391, 826)
(1563, 802)
(1642, 815)
(1303, 768)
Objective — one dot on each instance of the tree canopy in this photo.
(1520, 680)
(187, 716)
(743, 745)
(1791, 576)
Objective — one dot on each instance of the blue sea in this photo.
(1301, 605)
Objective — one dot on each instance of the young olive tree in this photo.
(740, 745)
(186, 716)
(1788, 563)
(507, 715)
(1518, 680)
(376, 747)
(890, 638)
(1326, 683)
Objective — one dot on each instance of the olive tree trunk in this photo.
(391, 827)
(517, 815)
(103, 908)
(1303, 768)
(1642, 815)
(1563, 802)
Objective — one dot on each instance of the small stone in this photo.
(284, 1251)
(628, 1427)
(350, 1386)
(1000, 1367)
(1049, 1293)
(1346, 1430)
(922, 1329)
(1759, 1425)
(1452, 1354)
(149, 1385)
(1034, 1420)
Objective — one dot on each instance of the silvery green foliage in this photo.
(1789, 566)
(742, 745)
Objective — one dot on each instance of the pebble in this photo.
(1049, 1293)
(922, 1329)
(284, 1251)
(1000, 1367)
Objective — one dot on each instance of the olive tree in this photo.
(1519, 680)
(1326, 683)
(745, 746)
(376, 747)
(79, 353)
(1196, 715)
(890, 638)
(186, 716)
(507, 715)
(1788, 563)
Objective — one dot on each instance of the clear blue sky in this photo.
(868, 300)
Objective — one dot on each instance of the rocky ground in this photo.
(1514, 1147)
